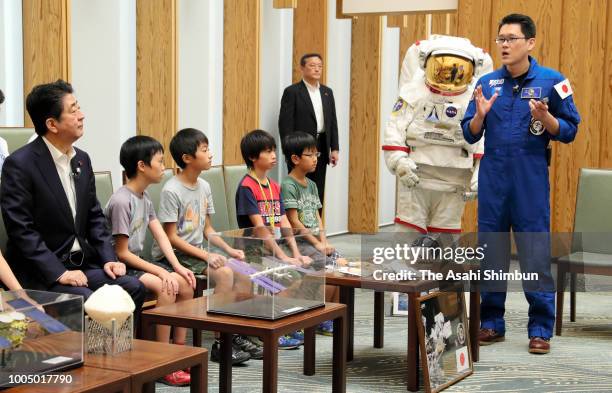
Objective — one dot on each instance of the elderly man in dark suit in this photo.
(309, 106)
(57, 234)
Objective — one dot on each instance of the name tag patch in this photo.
(531, 92)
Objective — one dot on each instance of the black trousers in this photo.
(318, 176)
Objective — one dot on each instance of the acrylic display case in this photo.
(269, 283)
(40, 332)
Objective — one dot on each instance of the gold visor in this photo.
(449, 73)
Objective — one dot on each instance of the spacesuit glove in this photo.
(405, 171)
(469, 196)
(474, 181)
(472, 193)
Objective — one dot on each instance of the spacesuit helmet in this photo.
(448, 72)
(450, 63)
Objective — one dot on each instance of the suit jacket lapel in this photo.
(306, 98)
(47, 168)
(80, 186)
(326, 107)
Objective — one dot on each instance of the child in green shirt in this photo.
(301, 199)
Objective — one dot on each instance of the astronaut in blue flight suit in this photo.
(519, 107)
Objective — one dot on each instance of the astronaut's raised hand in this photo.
(483, 106)
(539, 109)
(405, 171)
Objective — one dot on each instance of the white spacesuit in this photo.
(424, 144)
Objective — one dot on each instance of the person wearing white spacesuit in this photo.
(424, 144)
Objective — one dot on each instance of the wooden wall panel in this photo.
(46, 44)
(444, 24)
(395, 20)
(582, 62)
(309, 33)
(473, 22)
(156, 71)
(415, 28)
(477, 33)
(452, 23)
(364, 124)
(605, 151)
(240, 74)
(284, 3)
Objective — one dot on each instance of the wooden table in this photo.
(84, 380)
(413, 289)
(192, 314)
(151, 360)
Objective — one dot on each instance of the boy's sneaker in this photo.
(255, 340)
(326, 328)
(238, 356)
(177, 378)
(287, 342)
(248, 346)
(298, 335)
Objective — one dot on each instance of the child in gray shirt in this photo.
(130, 213)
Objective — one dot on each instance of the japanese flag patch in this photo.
(564, 89)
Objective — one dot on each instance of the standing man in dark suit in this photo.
(309, 106)
(57, 234)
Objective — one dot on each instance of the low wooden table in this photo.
(151, 360)
(84, 380)
(192, 314)
(413, 289)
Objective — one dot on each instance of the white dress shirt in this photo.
(4, 152)
(62, 164)
(317, 104)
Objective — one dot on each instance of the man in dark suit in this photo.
(57, 235)
(310, 107)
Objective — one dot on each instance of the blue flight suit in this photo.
(513, 189)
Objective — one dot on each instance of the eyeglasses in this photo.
(317, 154)
(510, 40)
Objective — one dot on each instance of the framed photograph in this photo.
(400, 303)
(444, 339)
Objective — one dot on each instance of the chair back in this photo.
(233, 175)
(104, 187)
(214, 177)
(154, 192)
(593, 216)
(16, 137)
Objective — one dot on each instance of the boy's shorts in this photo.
(163, 263)
(196, 265)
